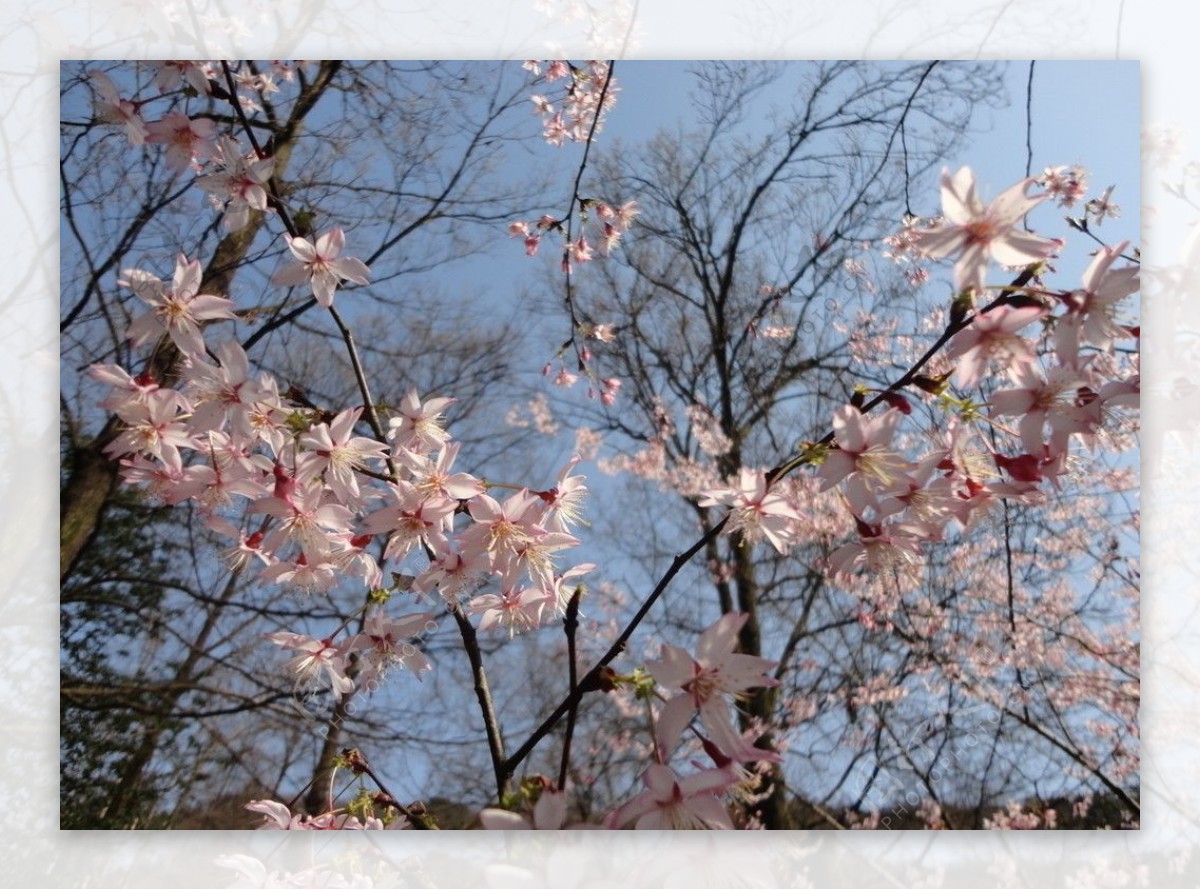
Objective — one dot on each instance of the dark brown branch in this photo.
(484, 695)
(591, 678)
(570, 627)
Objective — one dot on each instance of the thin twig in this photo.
(363, 387)
(570, 217)
(570, 627)
(484, 695)
(359, 764)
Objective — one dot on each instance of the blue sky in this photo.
(1084, 112)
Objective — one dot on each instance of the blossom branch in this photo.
(358, 763)
(592, 677)
(363, 387)
(587, 148)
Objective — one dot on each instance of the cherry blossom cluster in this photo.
(1064, 184)
(578, 107)
(324, 494)
(704, 686)
(187, 140)
(237, 182)
(169, 76)
(610, 223)
(1016, 818)
(589, 223)
(236, 179)
(278, 817)
(224, 438)
(584, 333)
(902, 249)
(1066, 383)
(296, 491)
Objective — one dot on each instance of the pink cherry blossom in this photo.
(111, 108)
(166, 479)
(1102, 208)
(187, 139)
(621, 217)
(992, 337)
(1036, 400)
(385, 642)
(715, 672)
(580, 251)
(926, 498)
(535, 555)
(276, 816)
(334, 451)
(864, 457)
(302, 575)
(173, 73)
(315, 659)
(417, 425)
(223, 393)
(322, 265)
(240, 186)
(180, 311)
(433, 477)
(1092, 310)
(227, 474)
(153, 426)
(453, 572)
(502, 530)
(414, 518)
(565, 378)
(891, 549)
(549, 814)
(670, 802)
(126, 388)
(564, 502)
(561, 588)
(516, 608)
(247, 548)
(305, 517)
(754, 511)
(977, 233)
(609, 387)
(351, 556)
(1065, 185)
